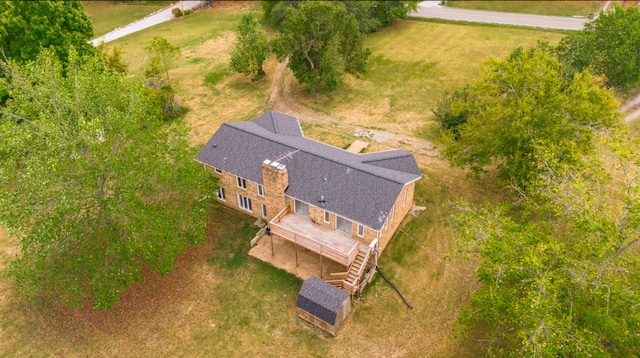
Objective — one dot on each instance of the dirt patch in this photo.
(175, 304)
(284, 257)
(288, 96)
(235, 5)
(215, 50)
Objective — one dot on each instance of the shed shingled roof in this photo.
(321, 299)
(360, 187)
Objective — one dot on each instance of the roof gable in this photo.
(278, 123)
(360, 187)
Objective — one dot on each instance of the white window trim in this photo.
(241, 182)
(327, 217)
(393, 213)
(260, 190)
(244, 203)
(264, 210)
(360, 230)
(404, 199)
(221, 191)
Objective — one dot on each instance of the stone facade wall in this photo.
(316, 214)
(275, 177)
(401, 207)
(276, 180)
(228, 182)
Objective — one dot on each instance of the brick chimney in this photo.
(275, 178)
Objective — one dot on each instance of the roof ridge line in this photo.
(330, 159)
(275, 123)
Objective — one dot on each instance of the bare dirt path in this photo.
(282, 99)
(631, 109)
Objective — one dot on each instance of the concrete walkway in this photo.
(158, 17)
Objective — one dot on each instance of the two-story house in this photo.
(341, 205)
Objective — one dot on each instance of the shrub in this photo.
(176, 12)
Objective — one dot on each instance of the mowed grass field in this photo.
(221, 302)
(547, 8)
(110, 15)
(411, 65)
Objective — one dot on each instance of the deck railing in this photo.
(309, 243)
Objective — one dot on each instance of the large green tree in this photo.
(608, 46)
(92, 182)
(559, 277)
(322, 42)
(26, 26)
(251, 48)
(522, 110)
(371, 15)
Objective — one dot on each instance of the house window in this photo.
(260, 190)
(217, 170)
(241, 183)
(301, 208)
(220, 194)
(327, 216)
(343, 225)
(404, 198)
(264, 211)
(244, 203)
(360, 230)
(393, 212)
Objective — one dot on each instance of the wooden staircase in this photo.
(356, 268)
(352, 280)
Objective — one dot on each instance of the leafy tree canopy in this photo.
(26, 26)
(113, 60)
(522, 110)
(251, 48)
(608, 46)
(92, 183)
(566, 286)
(162, 53)
(321, 42)
(370, 15)
(161, 57)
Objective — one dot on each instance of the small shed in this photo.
(322, 304)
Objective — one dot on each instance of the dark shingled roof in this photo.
(360, 187)
(321, 299)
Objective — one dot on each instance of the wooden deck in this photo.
(332, 244)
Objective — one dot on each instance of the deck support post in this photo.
(320, 266)
(272, 254)
(296, 245)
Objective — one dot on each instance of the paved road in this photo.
(151, 20)
(430, 9)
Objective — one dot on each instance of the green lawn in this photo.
(108, 15)
(412, 64)
(221, 302)
(548, 8)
